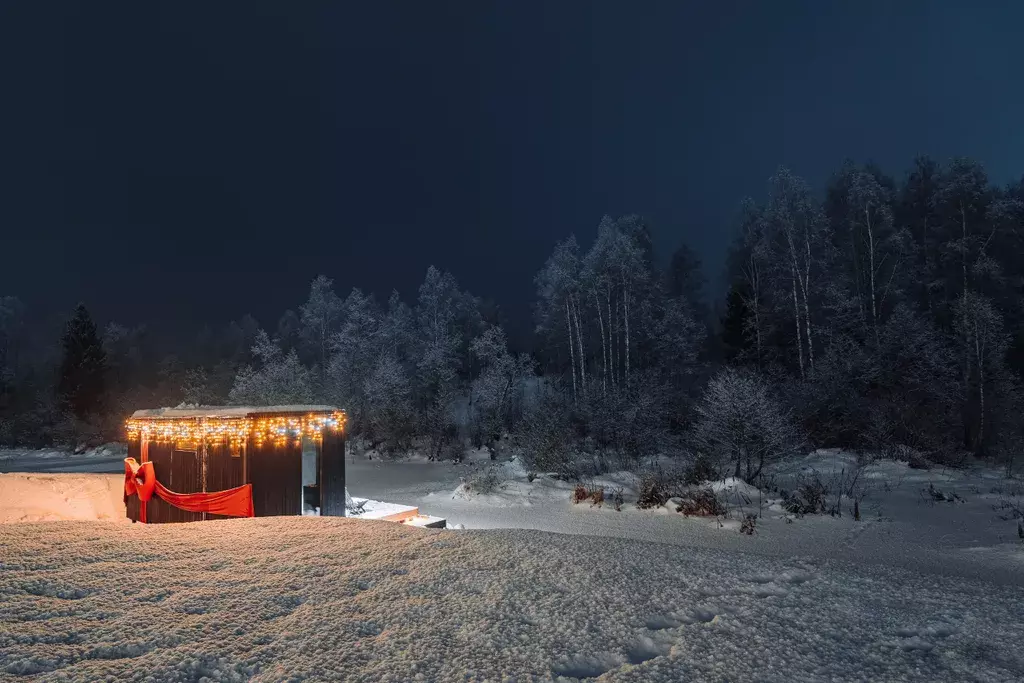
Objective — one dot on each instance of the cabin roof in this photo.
(228, 411)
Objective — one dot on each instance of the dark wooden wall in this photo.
(179, 470)
(275, 472)
(332, 474)
(223, 470)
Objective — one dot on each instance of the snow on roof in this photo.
(227, 411)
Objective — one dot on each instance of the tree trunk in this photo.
(871, 257)
(579, 341)
(807, 307)
(626, 310)
(572, 353)
(799, 337)
(810, 340)
(755, 298)
(611, 338)
(604, 348)
(963, 246)
(979, 352)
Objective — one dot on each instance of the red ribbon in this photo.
(141, 480)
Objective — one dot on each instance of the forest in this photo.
(876, 314)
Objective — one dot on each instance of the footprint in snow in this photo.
(790, 576)
(583, 667)
(699, 615)
(922, 639)
(644, 649)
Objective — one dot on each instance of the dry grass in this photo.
(701, 503)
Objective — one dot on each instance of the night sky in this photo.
(176, 161)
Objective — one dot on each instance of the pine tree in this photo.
(83, 370)
(735, 340)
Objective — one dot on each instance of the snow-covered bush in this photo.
(484, 481)
(546, 435)
(497, 392)
(389, 411)
(809, 498)
(741, 426)
(701, 502)
(627, 425)
(652, 493)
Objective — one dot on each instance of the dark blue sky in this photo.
(196, 161)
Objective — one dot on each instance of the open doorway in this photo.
(310, 477)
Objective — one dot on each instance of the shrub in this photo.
(810, 498)
(699, 471)
(579, 494)
(652, 494)
(740, 425)
(748, 525)
(617, 499)
(595, 494)
(702, 502)
(483, 481)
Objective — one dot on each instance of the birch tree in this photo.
(559, 290)
(799, 233)
(979, 328)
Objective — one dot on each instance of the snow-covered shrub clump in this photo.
(484, 481)
(740, 426)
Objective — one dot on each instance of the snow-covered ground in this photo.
(106, 458)
(901, 522)
(925, 586)
(319, 599)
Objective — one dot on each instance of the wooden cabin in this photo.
(293, 456)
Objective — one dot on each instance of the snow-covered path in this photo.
(333, 599)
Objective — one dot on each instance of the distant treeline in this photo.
(880, 315)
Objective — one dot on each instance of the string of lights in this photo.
(235, 430)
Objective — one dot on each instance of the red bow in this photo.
(141, 480)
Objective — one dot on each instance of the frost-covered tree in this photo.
(320, 315)
(979, 329)
(959, 204)
(279, 379)
(497, 391)
(356, 347)
(289, 331)
(390, 417)
(741, 425)
(799, 235)
(559, 290)
(437, 358)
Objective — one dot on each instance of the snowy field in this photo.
(926, 586)
(320, 599)
(901, 522)
(107, 458)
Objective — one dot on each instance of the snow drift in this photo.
(26, 497)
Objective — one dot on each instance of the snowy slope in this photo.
(901, 524)
(317, 599)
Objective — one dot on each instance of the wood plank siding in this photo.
(332, 474)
